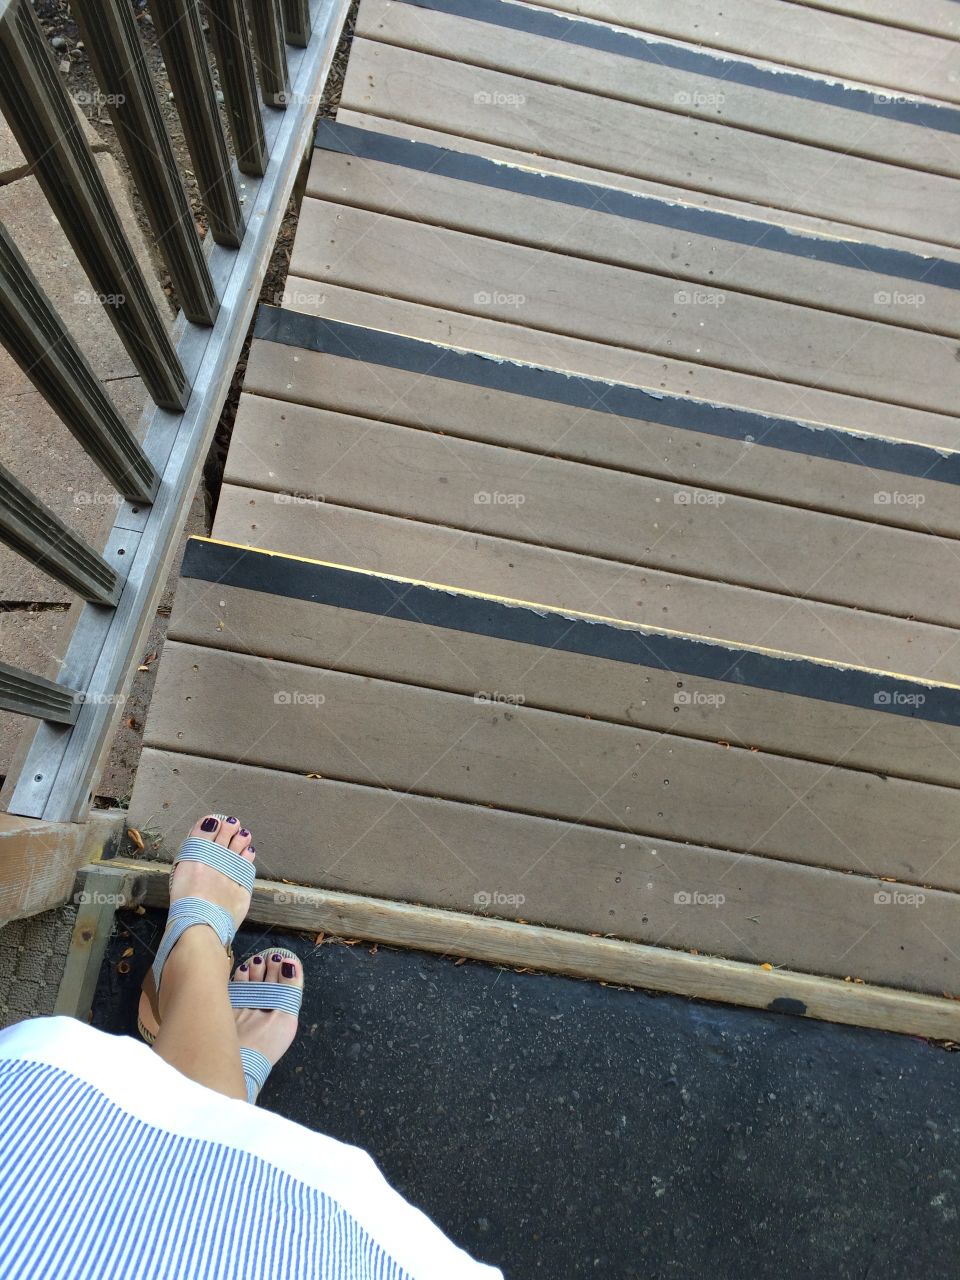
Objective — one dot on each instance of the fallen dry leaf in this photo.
(319, 939)
(766, 966)
(462, 960)
(135, 837)
(126, 953)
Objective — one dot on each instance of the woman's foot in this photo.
(271, 1031)
(200, 944)
(197, 880)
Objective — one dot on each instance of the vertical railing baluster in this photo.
(266, 21)
(36, 337)
(231, 40)
(28, 695)
(113, 45)
(296, 20)
(177, 23)
(41, 537)
(44, 123)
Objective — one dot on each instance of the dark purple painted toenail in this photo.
(208, 824)
(258, 959)
(251, 849)
(233, 820)
(244, 831)
(243, 968)
(276, 957)
(289, 969)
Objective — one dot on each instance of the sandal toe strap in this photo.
(199, 849)
(265, 995)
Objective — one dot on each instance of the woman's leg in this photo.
(198, 1031)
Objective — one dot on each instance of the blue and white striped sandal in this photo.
(263, 995)
(190, 911)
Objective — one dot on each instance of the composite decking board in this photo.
(573, 506)
(616, 136)
(585, 584)
(527, 760)
(805, 420)
(557, 48)
(936, 17)
(409, 185)
(290, 374)
(790, 34)
(791, 221)
(428, 160)
(558, 293)
(319, 615)
(459, 410)
(442, 853)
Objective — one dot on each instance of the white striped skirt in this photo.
(114, 1166)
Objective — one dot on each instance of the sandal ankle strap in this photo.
(184, 914)
(256, 1068)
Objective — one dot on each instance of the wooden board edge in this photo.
(576, 955)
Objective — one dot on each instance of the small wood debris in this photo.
(768, 967)
(135, 838)
(126, 953)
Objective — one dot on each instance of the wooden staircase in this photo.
(587, 550)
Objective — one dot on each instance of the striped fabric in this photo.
(200, 849)
(149, 1175)
(183, 915)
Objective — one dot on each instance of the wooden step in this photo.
(620, 137)
(683, 81)
(597, 822)
(830, 39)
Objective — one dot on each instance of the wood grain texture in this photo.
(350, 915)
(620, 137)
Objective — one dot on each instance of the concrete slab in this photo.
(564, 1129)
(13, 163)
(35, 641)
(33, 442)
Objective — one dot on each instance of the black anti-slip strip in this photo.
(717, 66)
(253, 570)
(424, 157)
(394, 351)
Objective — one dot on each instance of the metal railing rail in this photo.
(187, 373)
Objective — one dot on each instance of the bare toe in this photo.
(242, 973)
(208, 826)
(258, 968)
(242, 843)
(229, 828)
